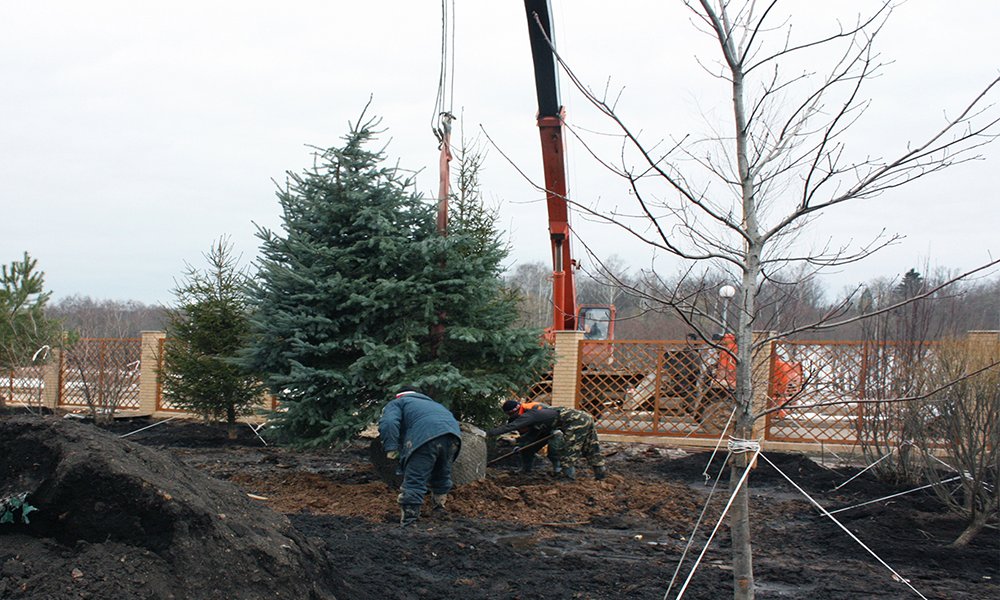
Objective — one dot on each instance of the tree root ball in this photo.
(469, 466)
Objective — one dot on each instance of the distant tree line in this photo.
(960, 307)
(965, 306)
(101, 318)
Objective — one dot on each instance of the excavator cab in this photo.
(597, 322)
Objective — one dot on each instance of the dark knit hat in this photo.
(510, 406)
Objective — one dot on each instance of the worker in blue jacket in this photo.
(425, 437)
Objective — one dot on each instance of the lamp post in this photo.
(726, 292)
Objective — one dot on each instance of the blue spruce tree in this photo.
(359, 295)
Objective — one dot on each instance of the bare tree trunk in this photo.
(743, 580)
(739, 523)
(790, 164)
(231, 420)
(970, 532)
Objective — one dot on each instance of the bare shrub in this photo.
(963, 424)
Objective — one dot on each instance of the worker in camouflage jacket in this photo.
(533, 422)
(426, 438)
(574, 438)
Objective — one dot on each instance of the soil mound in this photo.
(117, 520)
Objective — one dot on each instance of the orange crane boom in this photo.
(550, 123)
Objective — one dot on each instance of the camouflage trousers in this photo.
(578, 441)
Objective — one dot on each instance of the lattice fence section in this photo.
(840, 379)
(24, 386)
(101, 373)
(893, 371)
(671, 388)
(165, 404)
(825, 408)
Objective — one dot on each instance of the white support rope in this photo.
(256, 429)
(740, 446)
(148, 426)
(846, 530)
(949, 467)
(862, 471)
(923, 487)
(809, 432)
(722, 517)
(27, 406)
(44, 352)
(965, 474)
(718, 443)
(697, 525)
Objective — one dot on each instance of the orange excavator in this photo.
(786, 377)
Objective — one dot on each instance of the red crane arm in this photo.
(550, 123)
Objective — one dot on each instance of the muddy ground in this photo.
(527, 536)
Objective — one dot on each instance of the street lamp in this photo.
(726, 292)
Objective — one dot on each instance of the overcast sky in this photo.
(134, 134)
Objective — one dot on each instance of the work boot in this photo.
(556, 467)
(408, 514)
(437, 503)
(569, 473)
(600, 473)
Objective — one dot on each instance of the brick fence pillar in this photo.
(567, 360)
(149, 364)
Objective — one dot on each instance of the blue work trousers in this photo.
(428, 466)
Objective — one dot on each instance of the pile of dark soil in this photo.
(510, 536)
(117, 520)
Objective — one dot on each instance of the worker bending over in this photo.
(533, 422)
(425, 437)
(573, 437)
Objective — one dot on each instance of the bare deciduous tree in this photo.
(741, 198)
(533, 281)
